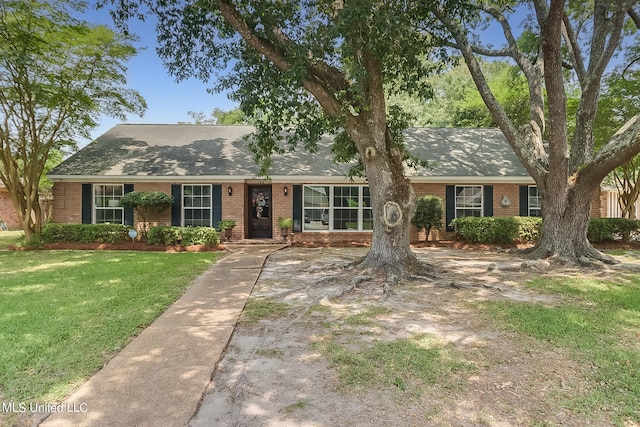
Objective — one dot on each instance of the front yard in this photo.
(63, 314)
(489, 342)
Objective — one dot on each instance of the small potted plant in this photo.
(227, 225)
(285, 224)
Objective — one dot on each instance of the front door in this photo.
(260, 211)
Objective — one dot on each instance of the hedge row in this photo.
(116, 233)
(84, 233)
(508, 229)
(498, 229)
(185, 236)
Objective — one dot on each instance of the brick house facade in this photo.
(8, 214)
(211, 175)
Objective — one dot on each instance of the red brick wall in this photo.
(8, 213)
(68, 208)
(67, 202)
(158, 218)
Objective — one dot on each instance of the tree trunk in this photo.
(565, 224)
(393, 204)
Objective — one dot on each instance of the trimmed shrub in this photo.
(428, 215)
(84, 233)
(185, 236)
(608, 229)
(500, 229)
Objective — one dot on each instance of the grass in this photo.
(64, 313)
(9, 238)
(599, 323)
(406, 364)
(262, 308)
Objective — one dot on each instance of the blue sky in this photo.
(167, 101)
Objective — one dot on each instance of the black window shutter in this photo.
(217, 204)
(128, 210)
(487, 201)
(297, 208)
(176, 208)
(524, 200)
(87, 203)
(450, 205)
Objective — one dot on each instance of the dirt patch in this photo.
(274, 375)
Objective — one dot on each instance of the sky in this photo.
(167, 101)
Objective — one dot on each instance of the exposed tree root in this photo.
(585, 256)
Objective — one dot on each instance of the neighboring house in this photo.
(8, 214)
(212, 176)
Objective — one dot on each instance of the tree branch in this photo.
(272, 53)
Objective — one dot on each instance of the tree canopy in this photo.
(57, 76)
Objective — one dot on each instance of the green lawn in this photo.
(9, 237)
(599, 325)
(63, 314)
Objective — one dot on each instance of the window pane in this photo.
(367, 219)
(316, 219)
(366, 197)
(316, 196)
(197, 205)
(345, 197)
(345, 219)
(106, 199)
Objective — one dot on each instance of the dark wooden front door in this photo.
(260, 211)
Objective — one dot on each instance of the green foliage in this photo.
(58, 75)
(185, 236)
(607, 229)
(285, 222)
(226, 223)
(503, 229)
(84, 233)
(498, 229)
(144, 200)
(429, 212)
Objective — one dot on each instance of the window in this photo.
(337, 208)
(106, 203)
(196, 205)
(535, 202)
(468, 200)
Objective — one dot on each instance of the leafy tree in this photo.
(311, 68)
(146, 204)
(218, 117)
(619, 102)
(429, 212)
(562, 39)
(57, 76)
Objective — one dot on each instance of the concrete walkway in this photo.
(160, 377)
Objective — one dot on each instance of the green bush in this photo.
(500, 229)
(84, 233)
(428, 213)
(185, 236)
(607, 229)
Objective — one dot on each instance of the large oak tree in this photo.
(562, 38)
(309, 68)
(57, 76)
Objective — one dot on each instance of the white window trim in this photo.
(183, 207)
(331, 209)
(529, 208)
(455, 195)
(95, 208)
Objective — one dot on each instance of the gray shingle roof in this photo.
(193, 150)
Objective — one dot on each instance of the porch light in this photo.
(286, 190)
(230, 190)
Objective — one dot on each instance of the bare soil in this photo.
(272, 375)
